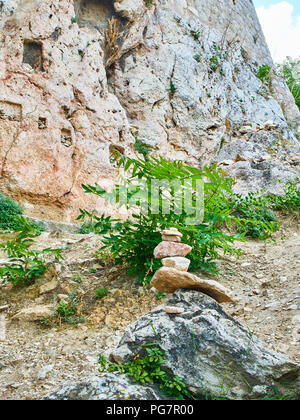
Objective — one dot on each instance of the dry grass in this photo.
(113, 35)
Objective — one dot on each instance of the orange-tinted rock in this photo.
(169, 280)
(171, 249)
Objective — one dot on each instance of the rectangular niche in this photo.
(42, 123)
(94, 13)
(33, 55)
(66, 137)
(10, 111)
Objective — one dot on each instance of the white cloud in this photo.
(281, 31)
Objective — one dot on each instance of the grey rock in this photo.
(107, 386)
(211, 351)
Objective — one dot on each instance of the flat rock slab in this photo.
(169, 280)
(171, 249)
(34, 313)
(211, 351)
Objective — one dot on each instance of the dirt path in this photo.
(35, 360)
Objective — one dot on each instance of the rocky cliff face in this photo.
(79, 78)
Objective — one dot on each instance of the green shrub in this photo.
(135, 239)
(290, 201)
(254, 215)
(10, 212)
(290, 72)
(264, 72)
(25, 264)
(66, 311)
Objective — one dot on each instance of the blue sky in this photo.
(280, 20)
(267, 3)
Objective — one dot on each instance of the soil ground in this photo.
(35, 359)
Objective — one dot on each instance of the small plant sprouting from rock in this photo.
(66, 311)
(160, 295)
(141, 147)
(214, 63)
(198, 58)
(264, 73)
(101, 293)
(172, 89)
(195, 34)
(148, 3)
(148, 370)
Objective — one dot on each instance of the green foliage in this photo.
(277, 396)
(148, 3)
(25, 264)
(141, 147)
(198, 58)
(101, 293)
(195, 34)
(214, 63)
(263, 73)
(290, 72)
(99, 225)
(173, 89)
(160, 295)
(135, 240)
(68, 311)
(65, 311)
(290, 201)
(10, 212)
(254, 215)
(77, 278)
(149, 370)
(74, 19)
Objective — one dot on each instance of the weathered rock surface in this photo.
(67, 101)
(171, 249)
(169, 280)
(180, 263)
(211, 351)
(34, 313)
(108, 386)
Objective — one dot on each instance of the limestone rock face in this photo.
(67, 101)
(212, 352)
(169, 280)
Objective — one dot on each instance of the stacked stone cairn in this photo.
(174, 273)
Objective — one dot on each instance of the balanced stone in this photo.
(171, 249)
(171, 235)
(180, 263)
(169, 280)
(172, 232)
(171, 238)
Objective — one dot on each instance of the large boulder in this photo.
(108, 386)
(211, 351)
